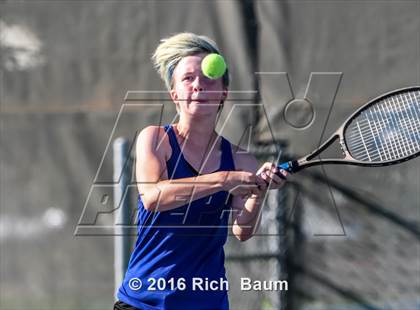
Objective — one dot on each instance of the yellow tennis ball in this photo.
(213, 66)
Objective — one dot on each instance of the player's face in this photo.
(193, 92)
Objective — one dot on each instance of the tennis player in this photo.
(190, 180)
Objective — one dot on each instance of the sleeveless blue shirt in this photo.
(184, 244)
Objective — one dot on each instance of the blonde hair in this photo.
(172, 49)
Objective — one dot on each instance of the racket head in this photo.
(404, 103)
(384, 131)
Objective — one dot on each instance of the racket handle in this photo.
(290, 166)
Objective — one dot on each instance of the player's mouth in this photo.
(199, 100)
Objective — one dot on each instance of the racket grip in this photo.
(284, 166)
(290, 166)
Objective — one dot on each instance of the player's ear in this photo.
(174, 95)
(175, 98)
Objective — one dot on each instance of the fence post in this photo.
(121, 163)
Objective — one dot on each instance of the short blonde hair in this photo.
(172, 49)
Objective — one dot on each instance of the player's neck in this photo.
(198, 134)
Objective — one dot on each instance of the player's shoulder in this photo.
(152, 133)
(244, 159)
(152, 130)
(154, 136)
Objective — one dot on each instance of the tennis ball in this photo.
(213, 66)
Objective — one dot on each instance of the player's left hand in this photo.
(274, 177)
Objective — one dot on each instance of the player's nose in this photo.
(198, 84)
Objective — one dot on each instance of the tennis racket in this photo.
(385, 131)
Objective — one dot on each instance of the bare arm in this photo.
(161, 194)
(247, 210)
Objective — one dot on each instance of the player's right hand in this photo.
(243, 183)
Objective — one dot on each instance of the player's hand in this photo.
(243, 183)
(274, 177)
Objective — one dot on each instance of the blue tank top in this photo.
(184, 244)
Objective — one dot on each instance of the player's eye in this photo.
(210, 81)
(188, 78)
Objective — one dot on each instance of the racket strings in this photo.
(387, 130)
